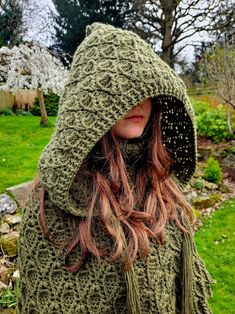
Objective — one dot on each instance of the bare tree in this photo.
(220, 72)
(24, 20)
(171, 23)
(37, 21)
(224, 23)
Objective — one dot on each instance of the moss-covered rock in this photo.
(8, 311)
(9, 243)
(4, 227)
(216, 197)
(12, 219)
(223, 188)
(211, 185)
(207, 201)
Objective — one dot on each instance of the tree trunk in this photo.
(168, 7)
(44, 119)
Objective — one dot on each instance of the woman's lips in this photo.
(135, 118)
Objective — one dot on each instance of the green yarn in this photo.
(157, 285)
(187, 277)
(133, 298)
(112, 71)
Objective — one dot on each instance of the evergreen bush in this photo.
(213, 172)
(6, 112)
(51, 104)
(20, 112)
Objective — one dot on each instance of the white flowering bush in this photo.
(5, 63)
(31, 66)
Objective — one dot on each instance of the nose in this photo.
(140, 105)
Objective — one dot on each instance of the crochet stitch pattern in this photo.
(112, 71)
(46, 287)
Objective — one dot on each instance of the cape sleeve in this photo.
(201, 286)
(26, 242)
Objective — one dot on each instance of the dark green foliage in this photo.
(20, 112)
(74, 16)
(11, 15)
(6, 112)
(51, 104)
(17, 112)
(213, 172)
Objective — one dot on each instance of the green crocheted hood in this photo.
(112, 71)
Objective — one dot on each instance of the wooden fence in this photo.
(22, 100)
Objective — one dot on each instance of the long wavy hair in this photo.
(131, 217)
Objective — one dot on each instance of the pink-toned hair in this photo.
(157, 195)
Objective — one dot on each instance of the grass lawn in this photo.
(216, 245)
(22, 140)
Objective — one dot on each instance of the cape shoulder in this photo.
(46, 286)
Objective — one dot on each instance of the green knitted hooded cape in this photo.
(112, 71)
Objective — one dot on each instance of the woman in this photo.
(107, 229)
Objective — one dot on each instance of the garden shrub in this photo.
(20, 112)
(213, 172)
(6, 112)
(51, 104)
(199, 106)
(198, 184)
(9, 297)
(213, 124)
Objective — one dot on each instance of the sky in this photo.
(46, 38)
(37, 30)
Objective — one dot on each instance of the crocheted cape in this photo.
(112, 71)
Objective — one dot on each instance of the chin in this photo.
(135, 134)
(129, 133)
